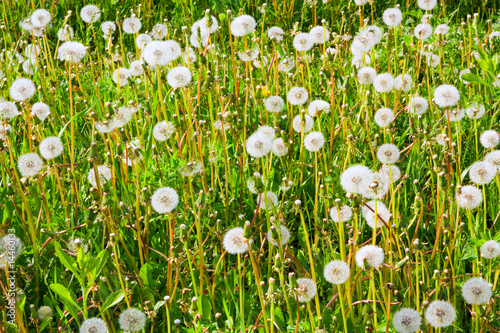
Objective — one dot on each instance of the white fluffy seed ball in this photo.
(336, 272)
(407, 320)
(314, 141)
(388, 153)
(490, 249)
(132, 320)
(51, 147)
(234, 242)
(29, 164)
(284, 236)
(476, 291)
(440, 314)
(179, 77)
(164, 200)
(22, 89)
(372, 255)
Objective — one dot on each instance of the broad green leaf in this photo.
(67, 298)
(68, 262)
(112, 300)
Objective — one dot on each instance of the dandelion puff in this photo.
(407, 320)
(279, 148)
(131, 25)
(174, 49)
(377, 188)
(234, 242)
(456, 115)
(51, 147)
(286, 65)
(267, 130)
(204, 25)
(355, 178)
(440, 314)
(371, 254)
(12, 246)
(122, 116)
(261, 63)
(29, 164)
(242, 25)
(376, 32)
(375, 220)
(94, 325)
(475, 111)
(403, 82)
(108, 28)
(163, 131)
(360, 2)
(383, 117)
(32, 51)
(132, 320)
(189, 55)
(274, 104)
(105, 127)
(26, 24)
(388, 153)
(298, 123)
(44, 312)
(121, 76)
(284, 236)
(258, 144)
(442, 29)
(314, 141)
(469, 197)
(427, 4)
(249, 55)
(179, 77)
(306, 290)
(343, 214)
(482, 172)
(303, 42)
(446, 95)
(276, 33)
(22, 89)
(72, 52)
(476, 291)
(319, 34)
(423, 31)
(104, 174)
(366, 75)
(40, 18)
(462, 72)
(251, 182)
(142, 40)
(30, 67)
(90, 14)
(489, 139)
(297, 96)
(317, 107)
(136, 68)
(159, 31)
(336, 272)
(490, 249)
(383, 83)
(391, 172)
(164, 200)
(268, 200)
(433, 60)
(4, 131)
(8, 110)
(493, 158)
(156, 53)
(392, 17)
(65, 34)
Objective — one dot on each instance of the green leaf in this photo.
(68, 262)
(112, 300)
(206, 307)
(469, 253)
(278, 318)
(146, 275)
(473, 78)
(95, 265)
(67, 298)
(71, 120)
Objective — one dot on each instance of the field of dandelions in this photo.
(237, 166)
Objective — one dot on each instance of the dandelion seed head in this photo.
(22, 89)
(268, 200)
(40, 18)
(469, 197)
(456, 114)
(482, 172)
(94, 325)
(44, 312)
(179, 77)
(164, 200)
(29, 164)
(284, 236)
(132, 320)
(318, 107)
(403, 82)
(476, 291)
(343, 214)
(374, 220)
(427, 4)
(355, 178)
(373, 255)
(306, 290)
(242, 25)
(388, 153)
(297, 96)
(274, 104)
(314, 141)
(319, 34)
(446, 95)
(493, 158)
(131, 25)
(277, 33)
(336, 272)
(90, 14)
(104, 174)
(490, 139)
(279, 148)
(234, 242)
(475, 111)
(105, 127)
(65, 33)
(12, 246)
(136, 68)
(391, 172)
(51, 147)
(267, 130)
(72, 52)
(163, 131)
(303, 42)
(258, 144)
(108, 28)
(4, 131)
(298, 123)
(433, 60)
(249, 55)
(407, 320)
(32, 51)
(423, 31)
(490, 249)
(203, 25)
(366, 75)
(383, 83)
(383, 117)
(121, 76)
(392, 17)
(156, 53)
(8, 110)
(442, 29)
(440, 314)
(286, 64)
(159, 31)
